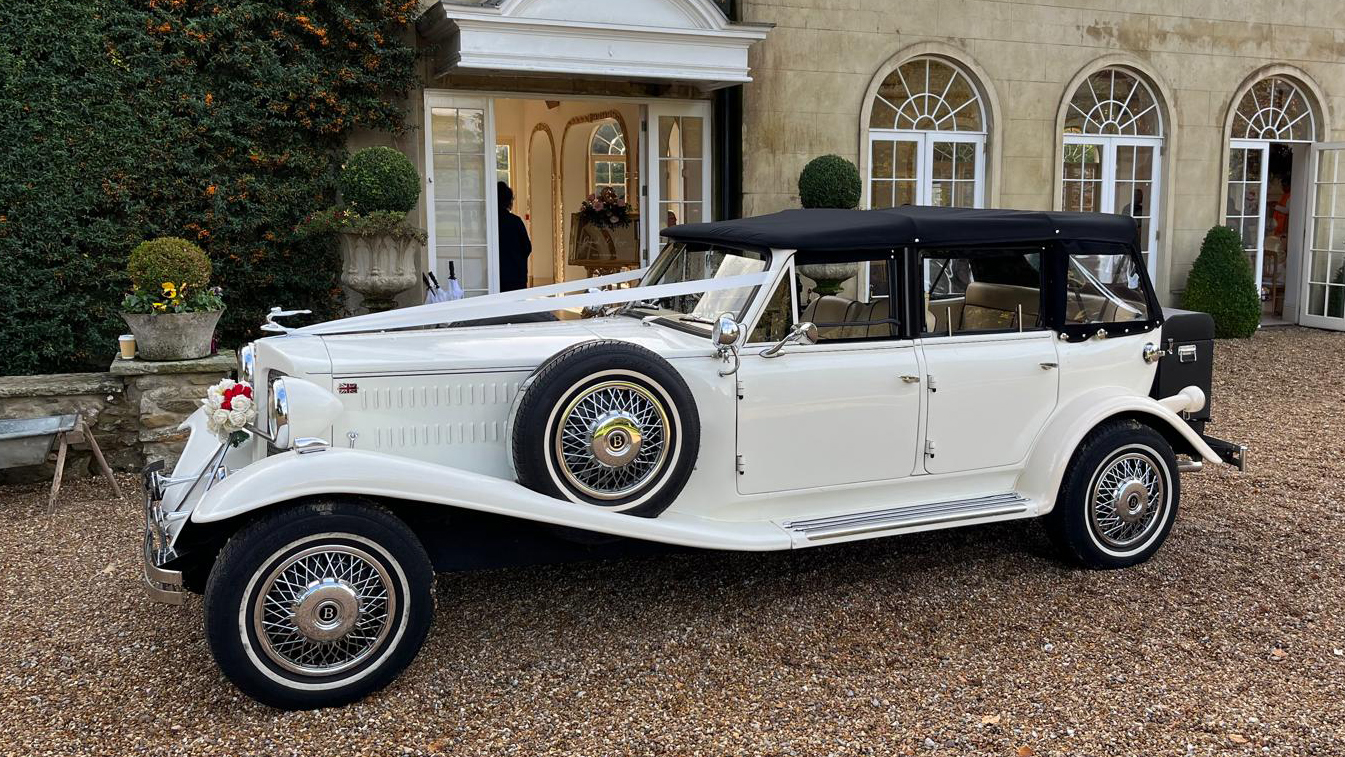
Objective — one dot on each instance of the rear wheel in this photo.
(318, 605)
(1118, 499)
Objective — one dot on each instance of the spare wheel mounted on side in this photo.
(606, 423)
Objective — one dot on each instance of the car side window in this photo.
(778, 315)
(970, 292)
(1104, 288)
(849, 301)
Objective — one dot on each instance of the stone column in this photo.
(164, 394)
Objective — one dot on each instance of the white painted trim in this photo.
(702, 48)
(650, 200)
(924, 142)
(437, 99)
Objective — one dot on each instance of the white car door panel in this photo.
(828, 414)
(990, 394)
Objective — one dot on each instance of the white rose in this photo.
(238, 418)
(242, 403)
(221, 417)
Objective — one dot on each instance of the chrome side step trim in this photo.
(835, 526)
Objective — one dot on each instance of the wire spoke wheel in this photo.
(324, 610)
(612, 439)
(1127, 500)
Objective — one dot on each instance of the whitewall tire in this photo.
(1118, 499)
(319, 604)
(608, 424)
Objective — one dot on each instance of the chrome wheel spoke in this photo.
(611, 439)
(323, 610)
(1126, 500)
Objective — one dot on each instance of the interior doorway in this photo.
(651, 156)
(1266, 211)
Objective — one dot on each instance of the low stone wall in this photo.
(133, 410)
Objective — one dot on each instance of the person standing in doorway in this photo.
(515, 247)
(1279, 212)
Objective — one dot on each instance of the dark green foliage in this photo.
(830, 182)
(222, 122)
(380, 179)
(1221, 284)
(168, 259)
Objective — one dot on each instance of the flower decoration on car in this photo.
(230, 410)
(605, 209)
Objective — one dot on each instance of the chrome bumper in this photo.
(162, 585)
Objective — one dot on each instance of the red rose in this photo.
(234, 391)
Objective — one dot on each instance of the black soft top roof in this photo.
(824, 229)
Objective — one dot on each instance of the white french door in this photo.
(676, 168)
(945, 169)
(1323, 303)
(1245, 198)
(1115, 174)
(460, 190)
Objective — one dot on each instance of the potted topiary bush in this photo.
(829, 182)
(1221, 284)
(170, 310)
(379, 249)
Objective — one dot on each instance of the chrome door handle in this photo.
(1049, 366)
(911, 379)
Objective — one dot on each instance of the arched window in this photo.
(1274, 109)
(1271, 115)
(1113, 141)
(927, 134)
(607, 159)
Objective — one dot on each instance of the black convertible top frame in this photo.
(909, 229)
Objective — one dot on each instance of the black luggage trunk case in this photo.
(1188, 339)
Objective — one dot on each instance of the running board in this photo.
(911, 516)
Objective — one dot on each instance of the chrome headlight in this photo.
(299, 411)
(278, 413)
(247, 364)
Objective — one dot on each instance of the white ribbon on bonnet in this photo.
(524, 301)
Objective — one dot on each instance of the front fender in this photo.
(335, 472)
(1040, 480)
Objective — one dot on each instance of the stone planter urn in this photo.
(172, 336)
(830, 277)
(379, 266)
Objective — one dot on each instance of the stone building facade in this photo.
(1186, 114)
(816, 74)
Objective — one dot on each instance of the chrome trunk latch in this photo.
(1152, 354)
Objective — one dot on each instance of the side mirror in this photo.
(802, 333)
(726, 331)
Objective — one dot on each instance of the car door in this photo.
(991, 365)
(845, 410)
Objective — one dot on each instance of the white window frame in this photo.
(1106, 145)
(651, 203)
(453, 100)
(924, 160)
(1262, 146)
(1313, 245)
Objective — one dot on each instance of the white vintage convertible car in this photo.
(793, 380)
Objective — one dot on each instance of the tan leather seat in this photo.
(992, 307)
(830, 309)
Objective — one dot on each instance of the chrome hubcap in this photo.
(1127, 500)
(611, 439)
(324, 610)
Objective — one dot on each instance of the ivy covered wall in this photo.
(222, 122)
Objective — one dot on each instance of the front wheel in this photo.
(1118, 499)
(319, 604)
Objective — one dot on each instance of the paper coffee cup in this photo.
(127, 343)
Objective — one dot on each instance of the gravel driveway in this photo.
(971, 641)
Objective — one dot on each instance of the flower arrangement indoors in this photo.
(605, 210)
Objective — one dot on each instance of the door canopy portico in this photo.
(683, 41)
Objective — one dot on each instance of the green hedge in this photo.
(830, 182)
(222, 122)
(1221, 283)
